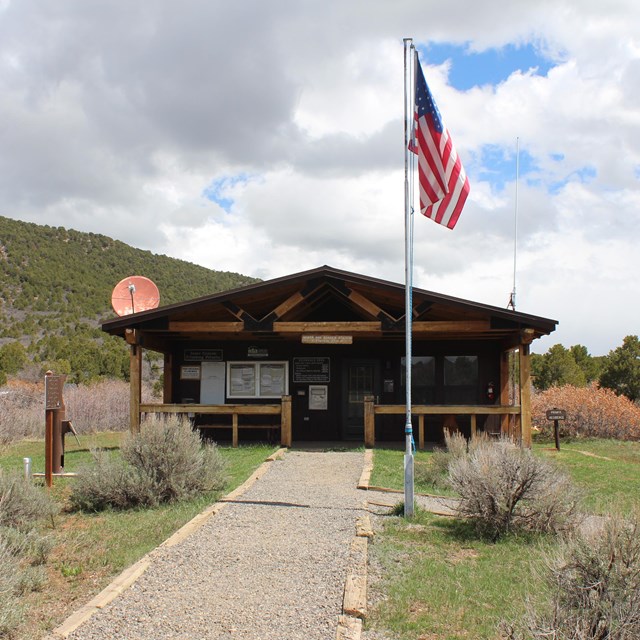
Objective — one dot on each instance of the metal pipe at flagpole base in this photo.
(408, 479)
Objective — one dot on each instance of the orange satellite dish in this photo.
(133, 294)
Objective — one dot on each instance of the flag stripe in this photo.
(443, 183)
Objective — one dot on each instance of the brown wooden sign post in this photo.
(54, 431)
(556, 415)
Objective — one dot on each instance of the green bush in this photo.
(165, 462)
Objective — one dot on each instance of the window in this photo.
(460, 379)
(423, 379)
(460, 371)
(257, 379)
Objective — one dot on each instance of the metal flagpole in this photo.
(515, 226)
(408, 263)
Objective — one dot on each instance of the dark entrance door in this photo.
(360, 378)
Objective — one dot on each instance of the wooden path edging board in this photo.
(132, 573)
(354, 603)
(367, 468)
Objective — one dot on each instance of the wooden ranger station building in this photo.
(319, 356)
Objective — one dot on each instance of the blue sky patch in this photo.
(493, 66)
(218, 190)
(498, 164)
(583, 175)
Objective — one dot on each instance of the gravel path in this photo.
(271, 564)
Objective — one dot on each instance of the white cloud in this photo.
(118, 117)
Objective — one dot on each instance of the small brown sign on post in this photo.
(556, 415)
(53, 386)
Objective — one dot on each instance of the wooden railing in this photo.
(371, 410)
(234, 410)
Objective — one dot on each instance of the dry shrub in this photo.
(23, 551)
(22, 503)
(111, 483)
(503, 487)
(101, 406)
(21, 411)
(594, 586)
(10, 608)
(165, 462)
(591, 412)
(169, 452)
(435, 471)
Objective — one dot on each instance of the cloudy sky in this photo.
(266, 137)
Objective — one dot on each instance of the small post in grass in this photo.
(556, 415)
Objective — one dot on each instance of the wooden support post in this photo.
(135, 387)
(421, 431)
(48, 448)
(167, 388)
(369, 423)
(505, 383)
(474, 428)
(525, 395)
(234, 430)
(285, 422)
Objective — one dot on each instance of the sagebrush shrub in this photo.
(110, 482)
(10, 609)
(23, 554)
(594, 585)
(504, 487)
(170, 453)
(435, 471)
(21, 502)
(592, 411)
(165, 462)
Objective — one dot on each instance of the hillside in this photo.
(55, 286)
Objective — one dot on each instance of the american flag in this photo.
(444, 186)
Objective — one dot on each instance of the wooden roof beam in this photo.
(371, 308)
(289, 304)
(451, 326)
(207, 327)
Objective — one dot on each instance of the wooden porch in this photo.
(283, 410)
(371, 410)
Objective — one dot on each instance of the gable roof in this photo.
(340, 300)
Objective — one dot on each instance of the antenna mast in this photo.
(512, 297)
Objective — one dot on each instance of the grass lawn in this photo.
(388, 471)
(89, 549)
(436, 580)
(607, 471)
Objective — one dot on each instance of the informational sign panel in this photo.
(53, 386)
(311, 370)
(190, 372)
(203, 355)
(325, 339)
(556, 414)
(318, 397)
